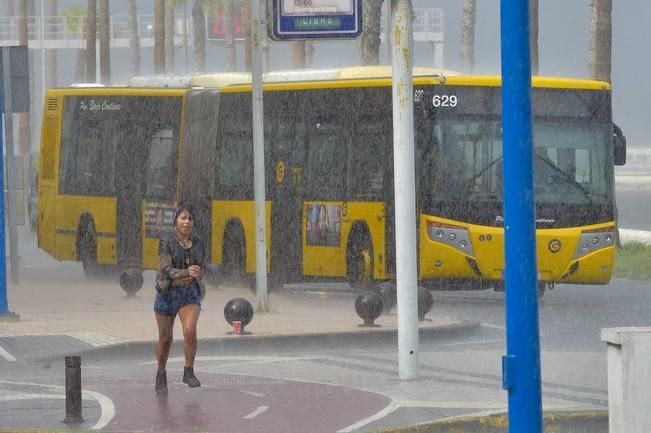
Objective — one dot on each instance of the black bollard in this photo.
(73, 390)
(238, 310)
(425, 302)
(387, 291)
(369, 306)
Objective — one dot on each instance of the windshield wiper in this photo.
(568, 177)
(472, 180)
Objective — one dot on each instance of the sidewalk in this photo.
(60, 301)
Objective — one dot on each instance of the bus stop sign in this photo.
(314, 19)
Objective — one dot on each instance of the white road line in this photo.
(258, 411)
(489, 325)
(6, 355)
(107, 409)
(462, 343)
(392, 406)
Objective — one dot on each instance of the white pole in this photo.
(43, 48)
(405, 189)
(11, 167)
(258, 159)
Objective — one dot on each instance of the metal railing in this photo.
(74, 28)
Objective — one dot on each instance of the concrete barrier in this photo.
(629, 378)
(629, 235)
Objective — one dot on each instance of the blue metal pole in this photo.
(521, 365)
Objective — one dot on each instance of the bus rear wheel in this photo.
(360, 260)
(87, 248)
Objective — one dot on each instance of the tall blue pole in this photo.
(521, 365)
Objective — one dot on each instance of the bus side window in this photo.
(234, 177)
(161, 166)
(328, 137)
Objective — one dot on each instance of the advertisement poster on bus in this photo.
(215, 30)
(323, 224)
(159, 218)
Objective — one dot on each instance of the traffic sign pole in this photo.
(521, 365)
(405, 188)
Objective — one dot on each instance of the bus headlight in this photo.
(455, 236)
(592, 240)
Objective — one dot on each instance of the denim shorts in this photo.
(176, 298)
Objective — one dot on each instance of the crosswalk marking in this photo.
(6, 355)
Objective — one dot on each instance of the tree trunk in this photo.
(246, 29)
(9, 8)
(601, 32)
(468, 20)
(533, 36)
(229, 35)
(80, 66)
(104, 43)
(298, 55)
(51, 10)
(159, 36)
(169, 35)
(91, 41)
(134, 38)
(369, 41)
(199, 34)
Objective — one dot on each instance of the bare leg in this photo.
(189, 315)
(165, 336)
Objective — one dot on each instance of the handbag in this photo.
(163, 283)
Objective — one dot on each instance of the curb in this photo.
(553, 422)
(266, 344)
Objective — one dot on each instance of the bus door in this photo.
(327, 116)
(286, 144)
(130, 161)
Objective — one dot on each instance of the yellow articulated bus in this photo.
(115, 161)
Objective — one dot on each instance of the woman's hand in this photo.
(195, 272)
(182, 281)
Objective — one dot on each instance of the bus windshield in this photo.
(571, 161)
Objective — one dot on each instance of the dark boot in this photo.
(161, 382)
(190, 378)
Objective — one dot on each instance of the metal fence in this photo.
(60, 29)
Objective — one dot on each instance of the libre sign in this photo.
(314, 19)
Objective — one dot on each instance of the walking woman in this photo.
(178, 290)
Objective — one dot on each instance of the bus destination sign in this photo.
(314, 19)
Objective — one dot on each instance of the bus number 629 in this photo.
(444, 101)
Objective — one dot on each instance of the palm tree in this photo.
(170, 10)
(199, 26)
(104, 42)
(298, 54)
(91, 41)
(159, 36)
(134, 38)
(468, 35)
(229, 35)
(51, 10)
(601, 33)
(9, 8)
(533, 36)
(369, 46)
(245, 13)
